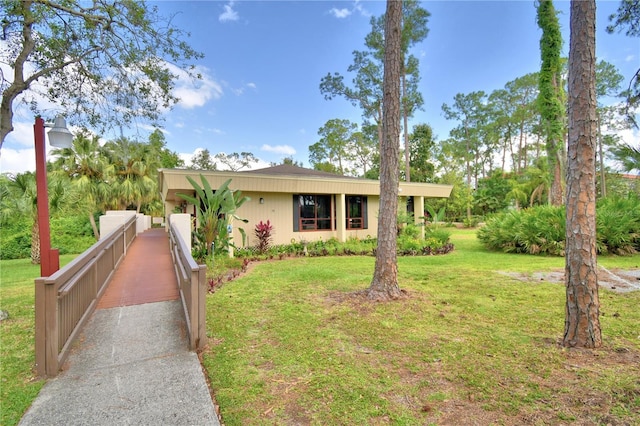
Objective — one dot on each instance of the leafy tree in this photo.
(366, 92)
(538, 182)
(414, 30)
(608, 83)
(628, 156)
(582, 322)
(106, 63)
(628, 16)
(214, 210)
(490, 196)
(458, 200)
(19, 197)
(421, 144)
(363, 150)
(469, 110)
(384, 285)
(523, 92)
(88, 167)
(167, 159)
(288, 160)
(551, 97)
(370, 134)
(135, 170)
(236, 162)
(334, 146)
(202, 160)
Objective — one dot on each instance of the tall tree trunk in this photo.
(556, 191)
(35, 241)
(384, 285)
(525, 161)
(603, 182)
(92, 220)
(550, 99)
(407, 162)
(582, 323)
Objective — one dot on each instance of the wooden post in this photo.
(46, 340)
(202, 307)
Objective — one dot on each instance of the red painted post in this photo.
(49, 259)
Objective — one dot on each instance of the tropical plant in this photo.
(91, 174)
(264, 234)
(214, 211)
(18, 196)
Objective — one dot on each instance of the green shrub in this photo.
(618, 225)
(541, 229)
(69, 234)
(440, 235)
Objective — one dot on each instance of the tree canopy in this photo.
(105, 64)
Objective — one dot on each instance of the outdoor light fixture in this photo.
(60, 137)
(261, 200)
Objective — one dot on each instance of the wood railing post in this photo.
(41, 335)
(202, 306)
(47, 327)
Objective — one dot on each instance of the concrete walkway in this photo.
(131, 365)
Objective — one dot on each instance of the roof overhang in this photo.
(174, 181)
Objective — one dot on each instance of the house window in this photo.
(356, 212)
(312, 213)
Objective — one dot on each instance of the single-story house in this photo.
(301, 204)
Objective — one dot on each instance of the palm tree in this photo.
(134, 166)
(86, 164)
(18, 196)
(628, 156)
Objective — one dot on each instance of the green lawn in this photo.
(292, 342)
(18, 386)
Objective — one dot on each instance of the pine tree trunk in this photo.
(92, 220)
(556, 192)
(384, 285)
(582, 323)
(35, 242)
(407, 152)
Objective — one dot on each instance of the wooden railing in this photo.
(65, 300)
(193, 289)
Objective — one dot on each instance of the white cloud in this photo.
(630, 58)
(195, 93)
(229, 14)
(17, 160)
(340, 13)
(630, 137)
(345, 13)
(358, 6)
(240, 91)
(278, 149)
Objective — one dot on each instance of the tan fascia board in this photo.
(174, 180)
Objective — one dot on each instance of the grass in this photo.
(18, 385)
(291, 342)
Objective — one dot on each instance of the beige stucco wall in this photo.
(278, 202)
(278, 209)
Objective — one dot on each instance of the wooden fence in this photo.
(192, 282)
(65, 300)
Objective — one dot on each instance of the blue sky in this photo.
(264, 61)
